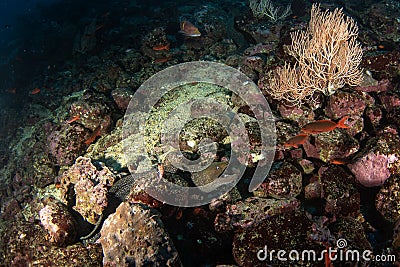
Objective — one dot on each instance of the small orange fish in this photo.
(94, 135)
(189, 30)
(322, 126)
(339, 161)
(163, 47)
(74, 118)
(328, 257)
(35, 91)
(297, 140)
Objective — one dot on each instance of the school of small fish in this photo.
(315, 127)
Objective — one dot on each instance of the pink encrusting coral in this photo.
(373, 168)
(381, 158)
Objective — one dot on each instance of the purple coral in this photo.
(372, 169)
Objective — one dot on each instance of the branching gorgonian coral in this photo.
(265, 8)
(327, 57)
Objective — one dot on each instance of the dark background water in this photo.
(36, 35)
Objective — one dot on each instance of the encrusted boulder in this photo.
(93, 111)
(339, 192)
(331, 145)
(287, 231)
(67, 142)
(90, 187)
(344, 103)
(246, 213)
(122, 97)
(388, 198)
(135, 236)
(379, 159)
(25, 243)
(284, 181)
(58, 222)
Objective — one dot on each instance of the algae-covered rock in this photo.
(337, 188)
(90, 187)
(135, 236)
(388, 198)
(284, 181)
(121, 97)
(25, 243)
(331, 145)
(346, 103)
(93, 111)
(287, 231)
(108, 149)
(67, 142)
(351, 230)
(252, 211)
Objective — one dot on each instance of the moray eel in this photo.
(209, 174)
(121, 189)
(116, 195)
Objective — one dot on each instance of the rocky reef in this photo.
(68, 195)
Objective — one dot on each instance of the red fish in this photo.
(322, 126)
(297, 140)
(93, 136)
(163, 47)
(35, 91)
(74, 118)
(339, 161)
(189, 30)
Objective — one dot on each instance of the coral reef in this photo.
(62, 162)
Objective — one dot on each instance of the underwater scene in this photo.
(201, 133)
